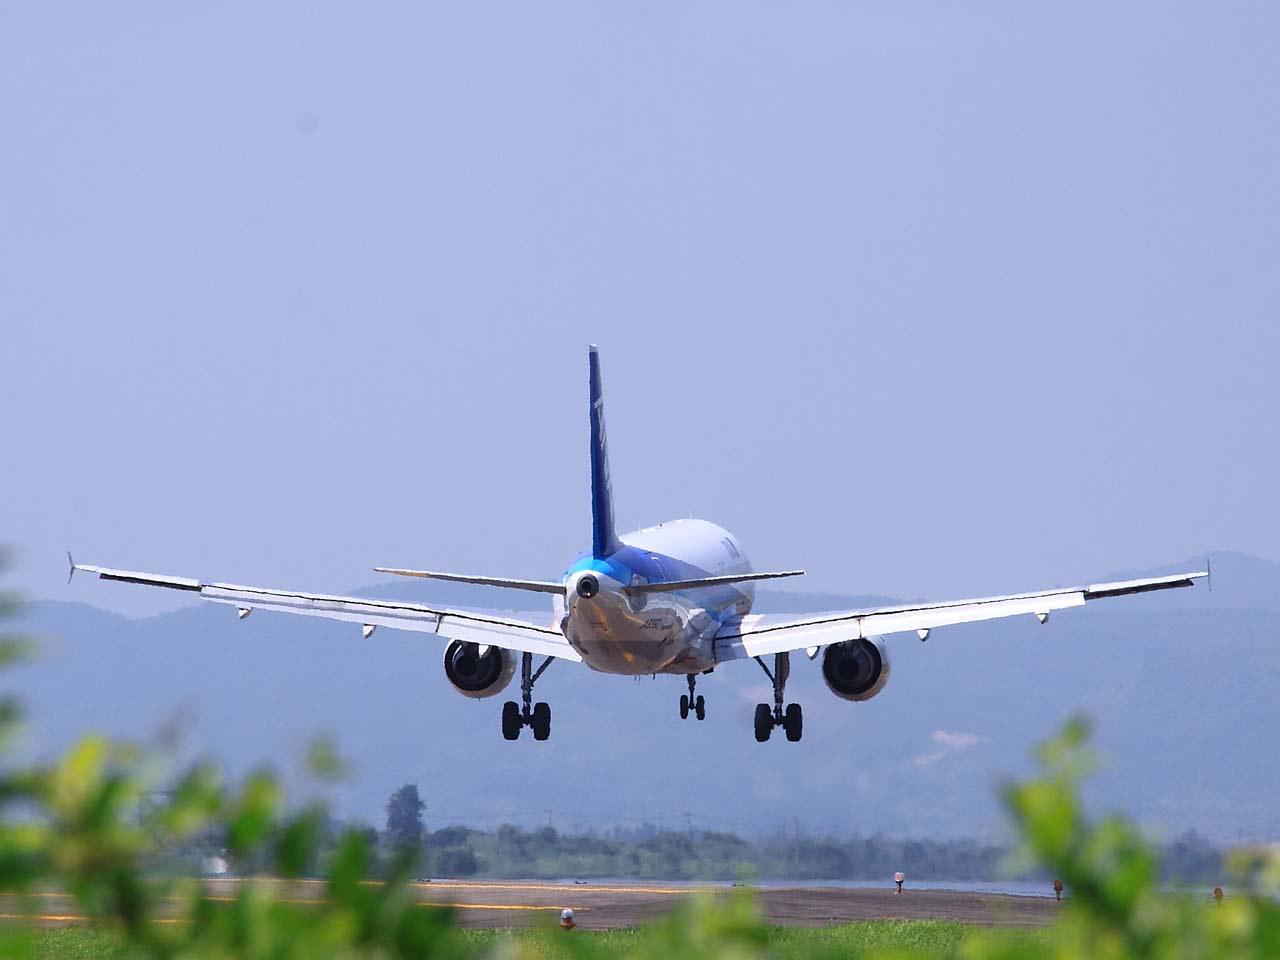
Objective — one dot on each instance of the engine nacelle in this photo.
(476, 674)
(856, 669)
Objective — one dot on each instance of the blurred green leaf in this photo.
(297, 847)
(323, 760)
(253, 813)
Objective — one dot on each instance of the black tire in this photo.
(700, 708)
(511, 720)
(793, 722)
(764, 722)
(541, 721)
(684, 706)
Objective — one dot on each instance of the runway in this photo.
(513, 903)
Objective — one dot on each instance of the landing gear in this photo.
(792, 718)
(689, 702)
(534, 715)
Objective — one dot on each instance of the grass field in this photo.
(928, 938)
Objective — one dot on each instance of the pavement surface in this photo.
(516, 903)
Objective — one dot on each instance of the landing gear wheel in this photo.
(541, 721)
(684, 706)
(764, 722)
(700, 708)
(793, 722)
(511, 720)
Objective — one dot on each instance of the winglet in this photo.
(71, 567)
(1208, 573)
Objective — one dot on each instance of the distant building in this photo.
(215, 866)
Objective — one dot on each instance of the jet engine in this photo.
(478, 671)
(856, 669)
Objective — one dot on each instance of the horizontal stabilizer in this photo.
(536, 586)
(707, 582)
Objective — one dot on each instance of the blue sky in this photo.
(937, 300)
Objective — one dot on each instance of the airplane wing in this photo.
(452, 624)
(757, 635)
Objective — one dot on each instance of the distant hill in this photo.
(1183, 688)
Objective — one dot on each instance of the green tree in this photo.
(456, 862)
(404, 818)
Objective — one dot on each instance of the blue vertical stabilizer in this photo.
(604, 539)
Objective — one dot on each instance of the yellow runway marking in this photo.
(583, 888)
(576, 888)
(303, 901)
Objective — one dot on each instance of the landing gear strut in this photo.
(534, 715)
(792, 718)
(688, 701)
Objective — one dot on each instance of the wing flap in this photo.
(1122, 588)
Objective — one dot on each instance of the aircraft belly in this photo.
(613, 637)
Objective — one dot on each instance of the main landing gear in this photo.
(687, 701)
(792, 719)
(537, 716)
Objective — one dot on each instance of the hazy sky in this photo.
(931, 299)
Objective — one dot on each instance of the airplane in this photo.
(674, 598)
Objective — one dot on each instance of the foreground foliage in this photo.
(913, 938)
(81, 826)
(1117, 908)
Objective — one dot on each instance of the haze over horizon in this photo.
(933, 303)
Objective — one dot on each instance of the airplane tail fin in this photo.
(604, 538)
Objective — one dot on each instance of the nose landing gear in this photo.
(537, 716)
(792, 718)
(689, 701)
